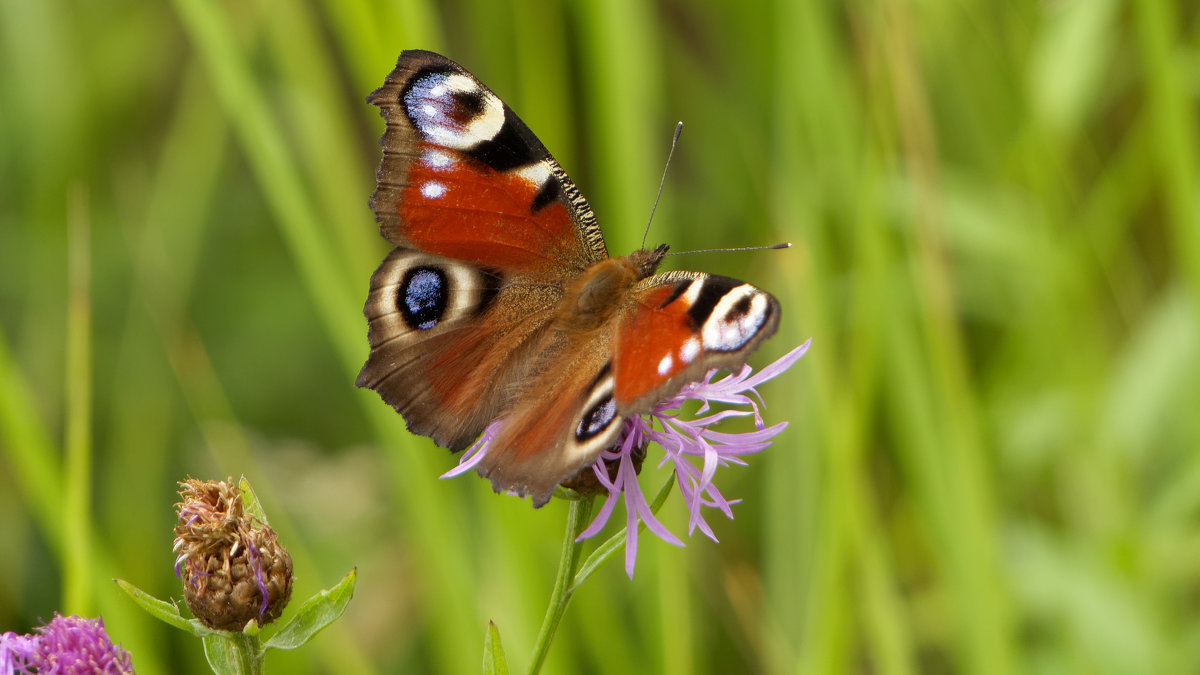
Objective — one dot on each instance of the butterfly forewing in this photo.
(463, 177)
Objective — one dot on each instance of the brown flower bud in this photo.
(232, 566)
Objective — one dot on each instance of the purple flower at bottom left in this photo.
(70, 645)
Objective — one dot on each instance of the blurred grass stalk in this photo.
(59, 496)
(77, 484)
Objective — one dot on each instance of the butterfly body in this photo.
(500, 301)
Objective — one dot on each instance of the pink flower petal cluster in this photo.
(17, 653)
(68, 645)
(684, 441)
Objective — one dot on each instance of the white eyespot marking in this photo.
(597, 418)
(690, 350)
(535, 174)
(693, 291)
(405, 306)
(432, 189)
(452, 110)
(436, 159)
(736, 319)
(665, 365)
(599, 423)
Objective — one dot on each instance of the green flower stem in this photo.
(250, 655)
(564, 584)
(234, 653)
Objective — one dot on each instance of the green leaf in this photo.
(221, 655)
(494, 662)
(315, 614)
(165, 611)
(250, 501)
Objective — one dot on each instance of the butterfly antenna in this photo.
(782, 244)
(674, 141)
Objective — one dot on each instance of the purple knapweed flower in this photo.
(72, 644)
(68, 645)
(681, 439)
(17, 653)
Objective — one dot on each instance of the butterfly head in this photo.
(646, 261)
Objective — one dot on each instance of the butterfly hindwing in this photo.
(563, 419)
(434, 324)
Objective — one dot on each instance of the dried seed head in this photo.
(232, 566)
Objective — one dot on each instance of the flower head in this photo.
(233, 568)
(69, 645)
(72, 644)
(682, 439)
(616, 470)
(17, 653)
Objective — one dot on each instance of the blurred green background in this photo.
(993, 463)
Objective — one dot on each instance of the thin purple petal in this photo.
(606, 510)
(259, 579)
(476, 452)
(17, 653)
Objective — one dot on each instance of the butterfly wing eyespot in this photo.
(596, 418)
(737, 317)
(598, 421)
(433, 325)
(412, 293)
(451, 110)
(682, 325)
(422, 296)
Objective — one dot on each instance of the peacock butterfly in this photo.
(500, 301)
